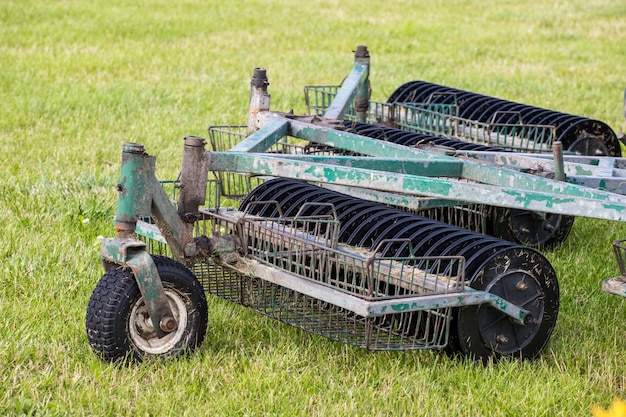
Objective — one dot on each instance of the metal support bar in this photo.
(559, 171)
(606, 173)
(264, 138)
(472, 170)
(355, 87)
(567, 199)
(367, 308)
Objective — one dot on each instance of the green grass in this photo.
(77, 78)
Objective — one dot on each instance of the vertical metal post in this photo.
(259, 98)
(193, 176)
(361, 100)
(559, 170)
(134, 196)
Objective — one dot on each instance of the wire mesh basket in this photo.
(306, 248)
(619, 247)
(442, 119)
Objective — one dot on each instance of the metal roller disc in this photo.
(418, 235)
(439, 247)
(353, 229)
(470, 102)
(372, 131)
(395, 135)
(399, 229)
(407, 92)
(406, 234)
(530, 228)
(261, 193)
(472, 108)
(489, 112)
(530, 114)
(291, 206)
(391, 218)
(589, 128)
(410, 140)
(482, 253)
(538, 116)
(447, 96)
(466, 241)
(335, 200)
(427, 93)
(462, 97)
(525, 278)
(483, 106)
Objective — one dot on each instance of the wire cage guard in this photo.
(305, 249)
(443, 119)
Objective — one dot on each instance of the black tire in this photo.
(117, 322)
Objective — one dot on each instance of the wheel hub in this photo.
(497, 330)
(144, 335)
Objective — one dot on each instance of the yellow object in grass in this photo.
(617, 409)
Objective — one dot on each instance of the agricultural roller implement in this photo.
(365, 222)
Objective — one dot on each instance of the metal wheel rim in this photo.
(497, 330)
(143, 334)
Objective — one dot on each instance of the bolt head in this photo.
(168, 324)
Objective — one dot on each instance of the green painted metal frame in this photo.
(397, 172)
(409, 171)
(141, 195)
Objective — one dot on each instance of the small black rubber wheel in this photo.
(118, 325)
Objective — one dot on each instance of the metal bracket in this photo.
(133, 254)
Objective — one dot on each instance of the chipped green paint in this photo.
(616, 207)
(559, 201)
(399, 308)
(527, 198)
(349, 89)
(264, 138)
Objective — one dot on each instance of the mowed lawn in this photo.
(78, 78)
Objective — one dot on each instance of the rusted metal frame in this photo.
(355, 89)
(515, 189)
(193, 176)
(421, 167)
(573, 164)
(133, 254)
(141, 196)
(368, 308)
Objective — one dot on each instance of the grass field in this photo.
(78, 78)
